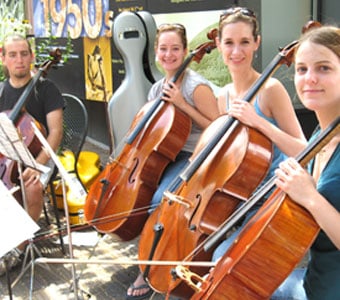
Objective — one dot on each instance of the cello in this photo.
(118, 201)
(186, 217)
(22, 120)
(281, 228)
(196, 205)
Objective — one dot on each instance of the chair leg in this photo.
(47, 218)
(56, 213)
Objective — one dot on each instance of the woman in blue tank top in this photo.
(271, 112)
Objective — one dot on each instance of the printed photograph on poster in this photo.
(211, 66)
(97, 67)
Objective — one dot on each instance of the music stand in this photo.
(12, 146)
(76, 188)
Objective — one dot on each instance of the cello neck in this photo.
(317, 144)
(183, 66)
(15, 112)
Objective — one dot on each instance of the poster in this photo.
(88, 23)
(97, 67)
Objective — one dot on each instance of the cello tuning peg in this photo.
(310, 25)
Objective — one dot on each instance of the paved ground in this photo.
(93, 281)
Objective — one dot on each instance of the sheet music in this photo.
(12, 146)
(17, 226)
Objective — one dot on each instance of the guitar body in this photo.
(131, 40)
(88, 167)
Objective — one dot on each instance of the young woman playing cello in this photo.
(271, 111)
(192, 94)
(317, 77)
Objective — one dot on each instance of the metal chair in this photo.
(75, 130)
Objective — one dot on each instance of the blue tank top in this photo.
(323, 272)
(278, 155)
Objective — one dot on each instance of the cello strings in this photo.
(102, 220)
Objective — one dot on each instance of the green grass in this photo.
(211, 65)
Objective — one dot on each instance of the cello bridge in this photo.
(192, 279)
(178, 199)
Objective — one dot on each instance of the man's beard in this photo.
(20, 75)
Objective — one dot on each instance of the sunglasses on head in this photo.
(171, 26)
(233, 10)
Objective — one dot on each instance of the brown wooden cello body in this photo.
(127, 184)
(198, 207)
(268, 248)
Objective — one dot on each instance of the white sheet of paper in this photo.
(12, 146)
(16, 225)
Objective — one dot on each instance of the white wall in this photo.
(281, 23)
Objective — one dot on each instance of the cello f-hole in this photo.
(158, 230)
(131, 178)
(198, 198)
(2, 169)
(105, 184)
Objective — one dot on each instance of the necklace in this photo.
(329, 146)
(323, 151)
(323, 157)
